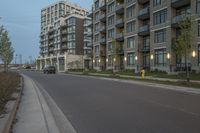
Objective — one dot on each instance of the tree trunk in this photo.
(187, 71)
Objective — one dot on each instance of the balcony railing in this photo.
(103, 40)
(103, 6)
(145, 48)
(119, 8)
(102, 17)
(120, 36)
(179, 3)
(102, 29)
(143, 30)
(119, 23)
(144, 13)
(142, 1)
(177, 19)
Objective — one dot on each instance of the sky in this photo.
(22, 20)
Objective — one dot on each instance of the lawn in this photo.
(193, 76)
(8, 85)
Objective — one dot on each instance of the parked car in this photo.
(49, 69)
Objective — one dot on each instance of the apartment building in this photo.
(135, 34)
(62, 36)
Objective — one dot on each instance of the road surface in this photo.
(103, 106)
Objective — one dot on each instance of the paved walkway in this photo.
(33, 115)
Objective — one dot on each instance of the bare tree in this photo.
(6, 49)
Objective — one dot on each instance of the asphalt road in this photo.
(103, 106)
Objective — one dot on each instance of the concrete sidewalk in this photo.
(33, 115)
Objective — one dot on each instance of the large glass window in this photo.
(131, 42)
(130, 27)
(96, 38)
(97, 4)
(156, 2)
(160, 17)
(111, 20)
(160, 57)
(111, 33)
(130, 12)
(111, 7)
(130, 59)
(160, 36)
(198, 6)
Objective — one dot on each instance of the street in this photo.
(95, 105)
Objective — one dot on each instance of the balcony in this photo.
(103, 6)
(179, 3)
(143, 30)
(90, 14)
(142, 1)
(119, 9)
(120, 51)
(103, 29)
(87, 39)
(102, 53)
(64, 32)
(177, 19)
(144, 13)
(145, 48)
(64, 39)
(119, 23)
(102, 18)
(120, 37)
(103, 40)
(89, 34)
(51, 49)
(63, 47)
(51, 37)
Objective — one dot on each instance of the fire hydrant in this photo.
(142, 72)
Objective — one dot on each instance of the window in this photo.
(131, 42)
(160, 17)
(199, 28)
(109, 46)
(111, 33)
(111, 7)
(111, 20)
(156, 2)
(199, 54)
(96, 64)
(127, 1)
(130, 27)
(130, 12)
(160, 57)
(96, 38)
(198, 6)
(160, 36)
(97, 16)
(96, 27)
(130, 59)
(97, 4)
(97, 49)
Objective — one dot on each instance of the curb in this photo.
(12, 114)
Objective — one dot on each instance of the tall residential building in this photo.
(135, 34)
(62, 36)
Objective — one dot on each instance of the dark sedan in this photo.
(49, 69)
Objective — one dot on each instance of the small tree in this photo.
(6, 49)
(184, 42)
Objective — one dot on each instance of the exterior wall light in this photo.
(125, 58)
(107, 60)
(168, 55)
(114, 59)
(193, 53)
(99, 60)
(93, 61)
(136, 58)
(151, 57)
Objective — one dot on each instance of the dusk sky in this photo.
(22, 20)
